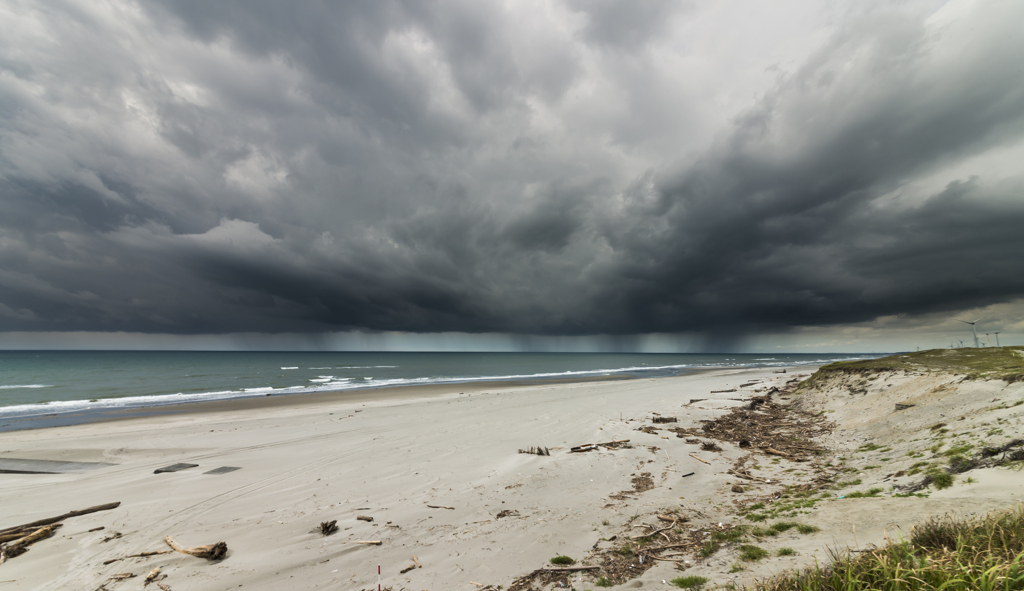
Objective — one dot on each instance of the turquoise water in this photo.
(37, 383)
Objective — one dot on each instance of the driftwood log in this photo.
(151, 577)
(552, 569)
(21, 546)
(139, 555)
(210, 551)
(59, 518)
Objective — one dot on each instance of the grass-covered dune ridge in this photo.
(990, 363)
(943, 553)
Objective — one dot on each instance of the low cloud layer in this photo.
(545, 168)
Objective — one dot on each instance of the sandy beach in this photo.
(497, 514)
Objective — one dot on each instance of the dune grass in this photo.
(944, 553)
(999, 363)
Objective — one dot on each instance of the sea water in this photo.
(51, 383)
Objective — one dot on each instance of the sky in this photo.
(528, 175)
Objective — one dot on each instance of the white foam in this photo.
(327, 383)
(290, 367)
(15, 386)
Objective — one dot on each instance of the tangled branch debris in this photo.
(633, 555)
(328, 527)
(766, 427)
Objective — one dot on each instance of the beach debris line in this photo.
(329, 527)
(767, 427)
(537, 451)
(215, 551)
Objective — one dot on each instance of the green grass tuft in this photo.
(709, 548)
(603, 582)
(786, 552)
(690, 582)
(751, 553)
(860, 494)
(562, 560)
(944, 554)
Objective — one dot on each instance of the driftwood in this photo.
(121, 576)
(747, 476)
(139, 555)
(553, 569)
(417, 561)
(59, 518)
(151, 577)
(21, 546)
(210, 551)
(655, 532)
(440, 507)
(370, 542)
(329, 527)
(700, 460)
(364, 518)
(163, 587)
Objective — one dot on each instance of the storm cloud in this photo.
(535, 168)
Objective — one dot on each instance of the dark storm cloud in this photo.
(225, 167)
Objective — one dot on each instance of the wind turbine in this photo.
(997, 337)
(974, 329)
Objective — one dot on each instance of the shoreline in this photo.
(267, 401)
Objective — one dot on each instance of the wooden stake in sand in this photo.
(210, 551)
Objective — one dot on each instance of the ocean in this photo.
(37, 384)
